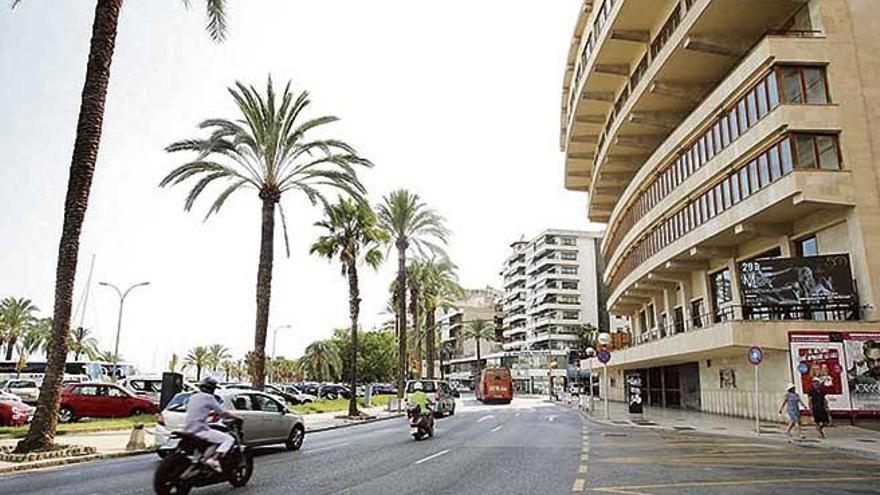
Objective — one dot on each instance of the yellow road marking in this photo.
(585, 457)
(579, 485)
(582, 469)
(737, 482)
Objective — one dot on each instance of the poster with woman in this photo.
(863, 370)
(815, 356)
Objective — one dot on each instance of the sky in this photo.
(457, 101)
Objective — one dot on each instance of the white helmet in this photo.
(418, 387)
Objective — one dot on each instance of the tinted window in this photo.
(89, 391)
(178, 402)
(265, 404)
(427, 386)
(115, 392)
(242, 402)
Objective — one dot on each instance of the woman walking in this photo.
(819, 407)
(791, 403)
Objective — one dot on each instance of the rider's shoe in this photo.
(214, 464)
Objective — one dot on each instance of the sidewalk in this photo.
(109, 444)
(842, 436)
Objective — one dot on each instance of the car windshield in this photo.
(427, 386)
(178, 402)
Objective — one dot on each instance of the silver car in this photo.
(27, 390)
(265, 420)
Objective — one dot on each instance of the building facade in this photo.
(552, 288)
(733, 149)
(459, 363)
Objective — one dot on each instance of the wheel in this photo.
(241, 474)
(452, 411)
(295, 439)
(66, 415)
(166, 481)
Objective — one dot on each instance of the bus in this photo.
(494, 385)
(34, 370)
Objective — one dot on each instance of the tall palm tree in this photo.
(266, 151)
(19, 314)
(440, 289)
(321, 361)
(82, 343)
(351, 234)
(108, 356)
(200, 357)
(218, 354)
(82, 168)
(410, 223)
(32, 340)
(415, 275)
(479, 330)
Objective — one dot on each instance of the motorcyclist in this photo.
(421, 399)
(201, 405)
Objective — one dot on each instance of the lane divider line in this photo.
(582, 469)
(434, 456)
(578, 485)
(496, 428)
(484, 418)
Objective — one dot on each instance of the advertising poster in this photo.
(806, 281)
(815, 356)
(863, 370)
(634, 392)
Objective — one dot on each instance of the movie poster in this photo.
(863, 369)
(814, 356)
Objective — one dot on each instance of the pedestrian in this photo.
(819, 407)
(791, 403)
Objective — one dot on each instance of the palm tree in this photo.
(81, 343)
(18, 317)
(82, 168)
(266, 151)
(218, 354)
(440, 289)
(479, 330)
(109, 357)
(410, 223)
(32, 340)
(415, 274)
(321, 361)
(200, 357)
(351, 234)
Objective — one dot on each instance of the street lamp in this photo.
(605, 339)
(590, 352)
(122, 295)
(274, 341)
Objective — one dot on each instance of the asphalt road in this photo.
(528, 447)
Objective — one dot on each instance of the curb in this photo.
(348, 425)
(820, 446)
(32, 466)
(15, 436)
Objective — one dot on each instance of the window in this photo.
(734, 126)
(806, 157)
(568, 255)
(569, 270)
(808, 246)
(710, 146)
(775, 167)
(785, 154)
(791, 85)
(569, 241)
(761, 91)
(570, 315)
(265, 404)
(743, 118)
(710, 200)
(752, 106)
(569, 285)
(242, 402)
(650, 316)
(719, 203)
(115, 392)
(772, 91)
(827, 147)
(734, 188)
(744, 181)
(725, 133)
(764, 170)
(725, 193)
(804, 85)
(754, 185)
(814, 81)
(88, 391)
(722, 295)
(697, 313)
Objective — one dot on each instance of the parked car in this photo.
(438, 391)
(15, 412)
(269, 389)
(266, 420)
(6, 396)
(146, 386)
(384, 389)
(101, 400)
(26, 389)
(298, 397)
(334, 391)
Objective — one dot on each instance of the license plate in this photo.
(414, 429)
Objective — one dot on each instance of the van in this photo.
(439, 392)
(494, 385)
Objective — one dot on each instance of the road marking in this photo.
(585, 457)
(582, 469)
(433, 456)
(329, 447)
(497, 428)
(551, 418)
(578, 485)
(517, 415)
(484, 418)
(735, 482)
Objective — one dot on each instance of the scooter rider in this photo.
(201, 405)
(420, 398)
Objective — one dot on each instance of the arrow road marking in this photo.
(433, 456)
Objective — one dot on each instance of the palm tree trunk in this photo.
(354, 307)
(10, 346)
(417, 337)
(479, 361)
(429, 340)
(82, 168)
(198, 373)
(264, 288)
(401, 317)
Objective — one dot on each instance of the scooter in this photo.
(420, 425)
(185, 468)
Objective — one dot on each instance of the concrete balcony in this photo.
(511, 332)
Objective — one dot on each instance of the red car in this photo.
(14, 412)
(101, 400)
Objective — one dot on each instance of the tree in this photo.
(440, 289)
(479, 330)
(321, 361)
(108, 357)
(41, 434)
(217, 354)
(81, 343)
(587, 335)
(18, 315)
(32, 340)
(267, 151)
(410, 223)
(415, 274)
(351, 234)
(200, 357)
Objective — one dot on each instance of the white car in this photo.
(26, 389)
(147, 386)
(266, 421)
(439, 392)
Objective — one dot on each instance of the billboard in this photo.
(847, 364)
(797, 281)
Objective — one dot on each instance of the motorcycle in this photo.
(420, 425)
(185, 468)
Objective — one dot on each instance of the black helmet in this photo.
(208, 385)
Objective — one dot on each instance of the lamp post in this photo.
(605, 339)
(122, 295)
(274, 341)
(590, 353)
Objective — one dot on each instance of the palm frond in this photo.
(216, 26)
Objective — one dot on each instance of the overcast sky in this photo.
(457, 101)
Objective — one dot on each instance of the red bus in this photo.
(494, 385)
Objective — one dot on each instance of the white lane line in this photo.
(497, 428)
(551, 418)
(484, 418)
(330, 447)
(433, 456)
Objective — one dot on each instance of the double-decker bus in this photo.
(35, 370)
(494, 385)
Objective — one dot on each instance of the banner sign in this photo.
(796, 281)
(634, 391)
(847, 365)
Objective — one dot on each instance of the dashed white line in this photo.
(497, 428)
(484, 418)
(433, 456)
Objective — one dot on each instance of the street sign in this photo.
(604, 356)
(756, 355)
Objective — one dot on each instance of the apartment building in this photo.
(733, 149)
(458, 353)
(552, 288)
